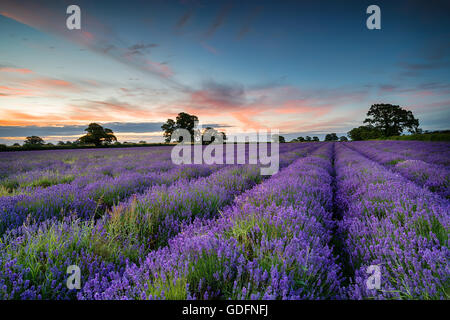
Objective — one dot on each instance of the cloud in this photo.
(10, 91)
(95, 36)
(424, 66)
(439, 51)
(218, 20)
(422, 89)
(246, 26)
(433, 57)
(160, 68)
(265, 107)
(140, 48)
(37, 87)
(71, 132)
(184, 19)
(15, 70)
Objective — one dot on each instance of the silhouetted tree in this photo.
(168, 127)
(34, 141)
(315, 138)
(211, 135)
(331, 137)
(97, 135)
(183, 121)
(343, 138)
(278, 138)
(298, 139)
(391, 119)
(308, 139)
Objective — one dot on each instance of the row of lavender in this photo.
(437, 153)
(273, 242)
(35, 256)
(391, 222)
(23, 173)
(90, 194)
(427, 164)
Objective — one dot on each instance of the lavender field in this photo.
(140, 227)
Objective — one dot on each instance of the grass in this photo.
(49, 247)
(434, 136)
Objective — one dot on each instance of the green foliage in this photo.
(183, 121)
(211, 135)
(391, 119)
(427, 136)
(278, 138)
(51, 245)
(172, 289)
(331, 137)
(97, 135)
(34, 141)
(365, 133)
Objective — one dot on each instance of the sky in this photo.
(301, 67)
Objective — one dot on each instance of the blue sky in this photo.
(303, 67)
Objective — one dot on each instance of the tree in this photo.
(61, 143)
(343, 138)
(211, 135)
(277, 138)
(331, 137)
(182, 121)
(97, 135)
(315, 138)
(365, 133)
(34, 141)
(308, 139)
(391, 119)
(168, 127)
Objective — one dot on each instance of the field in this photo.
(140, 227)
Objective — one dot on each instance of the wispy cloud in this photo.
(15, 70)
(218, 20)
(95, 36)
(184, 19)
(249, 20)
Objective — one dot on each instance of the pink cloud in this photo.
(16, 70)
(160, 68)
(10, 91)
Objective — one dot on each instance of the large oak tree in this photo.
(391, 120)
(97, 135)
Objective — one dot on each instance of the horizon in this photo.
(307, 68)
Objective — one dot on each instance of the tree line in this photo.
(383, 122)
